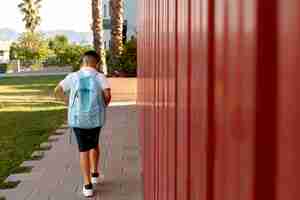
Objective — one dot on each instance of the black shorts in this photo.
(87, 139)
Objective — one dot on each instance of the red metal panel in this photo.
(232, 128)
(288, 103)
(221, 67)
(266, 98)
(158, 86)
(147, 171)
(157, 96)
(152, 77)
(234, 111)
(198, 95)
(164, 99)
(219, 89)
(160, 114)
(182, 101)
(247, 57)
(149, 63)
(172, 79)
(141, 89)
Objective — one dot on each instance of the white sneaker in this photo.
(88, 190)
(97, 179)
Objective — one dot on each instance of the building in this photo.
(4, 51)
(130, 16)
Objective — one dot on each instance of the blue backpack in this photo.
(86, 105)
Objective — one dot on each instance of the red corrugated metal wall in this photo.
(219, 82)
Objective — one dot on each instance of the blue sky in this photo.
(56, 14)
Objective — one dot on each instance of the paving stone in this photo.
(37, 155)
(45, 146)
(64, 126)
(57, 176)
(60, 131)
(25, 176)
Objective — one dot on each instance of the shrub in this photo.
(127, 63)
(52, 61)
(34, 51)
(65, 53)
(36, 66)
(3, 68)
(74, 54)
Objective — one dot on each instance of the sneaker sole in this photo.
(88, 194)
(97, 180)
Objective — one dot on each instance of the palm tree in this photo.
(117, 8)
(97, 28)
(31, 11)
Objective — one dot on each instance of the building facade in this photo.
(130, 16)
(4, 51)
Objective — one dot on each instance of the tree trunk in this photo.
(117, 28)
(97, 28)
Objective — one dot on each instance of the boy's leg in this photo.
(85, 167)
(95, 152)
(94, 159)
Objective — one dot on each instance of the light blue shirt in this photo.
(67, 83)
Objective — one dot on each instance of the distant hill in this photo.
(76, 37)
(7, 34)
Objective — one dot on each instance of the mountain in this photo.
(73, 36)
(76, 37)
(7, 34)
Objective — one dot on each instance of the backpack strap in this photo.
(95, 77)
(76, 93)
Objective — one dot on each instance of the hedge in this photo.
(3, 68)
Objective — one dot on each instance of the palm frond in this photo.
(30, 10)
(38, 7)
(21, 5)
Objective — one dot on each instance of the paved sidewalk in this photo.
(57, 175)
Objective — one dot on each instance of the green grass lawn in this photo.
(28, 115)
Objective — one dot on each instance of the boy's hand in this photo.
(66, 100)
(107, 96)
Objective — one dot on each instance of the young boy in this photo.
(87, 93)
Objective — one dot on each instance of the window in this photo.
(104, 44)
(105, 10)
(1, 53)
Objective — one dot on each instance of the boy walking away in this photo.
(87, 94)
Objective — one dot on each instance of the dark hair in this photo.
(93, 54)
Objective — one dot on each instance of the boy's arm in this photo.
(62, 87)
(107, 96)
(59, 94)
(105, 87)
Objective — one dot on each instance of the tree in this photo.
(74, 53)
(30, 47)
(117, 8)
(59, 46)
(126, 64)
(33, 50)
(97, 27)
(31, 11)
(65, 53)
(58, 42)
